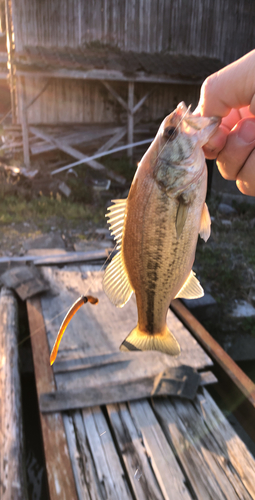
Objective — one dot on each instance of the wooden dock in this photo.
(104, 436)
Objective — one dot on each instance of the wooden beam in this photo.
(10, 49)
(110, 75)
(39, 94)
(23, 119)
(130, 118)
(182, 381)
(59, 470)
(12, 457)
(113, 140)
(116, 95)
(142, 100)
(60, 144)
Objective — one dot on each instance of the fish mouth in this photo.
(202, 125)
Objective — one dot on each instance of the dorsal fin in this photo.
(116, 282)
(116, 219)
(191, 288)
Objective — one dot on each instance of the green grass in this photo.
(120, 166)
(14, 210)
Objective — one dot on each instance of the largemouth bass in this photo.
(157, 227)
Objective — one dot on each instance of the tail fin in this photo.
(139, 340)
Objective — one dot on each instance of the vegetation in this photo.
(14, 209)
(226, 267)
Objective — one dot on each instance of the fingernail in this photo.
(247, 131)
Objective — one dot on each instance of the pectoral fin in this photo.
(191, 288)
(181, 216)
(205, 224)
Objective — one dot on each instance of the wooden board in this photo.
(12, 457)
(96, 445)
(214, 458)
(162, 451)
(99, 330)
(61, 144)
(59, 472)
(182, 381)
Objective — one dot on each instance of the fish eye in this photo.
(170, 133)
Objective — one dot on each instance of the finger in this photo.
(246, 177)
(231, 87)
(245, 112)
(239, 145)
(216, 143)
(232, 118)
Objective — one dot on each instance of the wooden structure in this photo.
(160, 448)
(111, 62)
(12, 460)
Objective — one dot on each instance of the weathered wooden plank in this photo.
(76, 458)
(71, 257)
(12, 460)
(130, 117)
(119, 391)
(113, 140)
(23, 119)
(182, 381)
(111, 75)
(98, 331)
(79, 136)
(84, 459)
(110, 325)
(133, 452)
(57, 257)
(60, 144)
(230, 445)
(210, 469)
(163, 461)
(59, 471)
(109, 471)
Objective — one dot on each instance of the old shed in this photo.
(110, 62)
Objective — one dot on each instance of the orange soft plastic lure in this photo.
(72, 311)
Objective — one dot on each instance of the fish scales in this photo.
(160, 263)
(161, 219)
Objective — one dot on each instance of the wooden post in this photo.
(12, 468)
(10, 50)
(130, 118)
(23, 119)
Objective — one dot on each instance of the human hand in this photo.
(230, 94)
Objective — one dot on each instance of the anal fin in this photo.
(191, 288)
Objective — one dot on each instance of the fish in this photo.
(156, 229)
